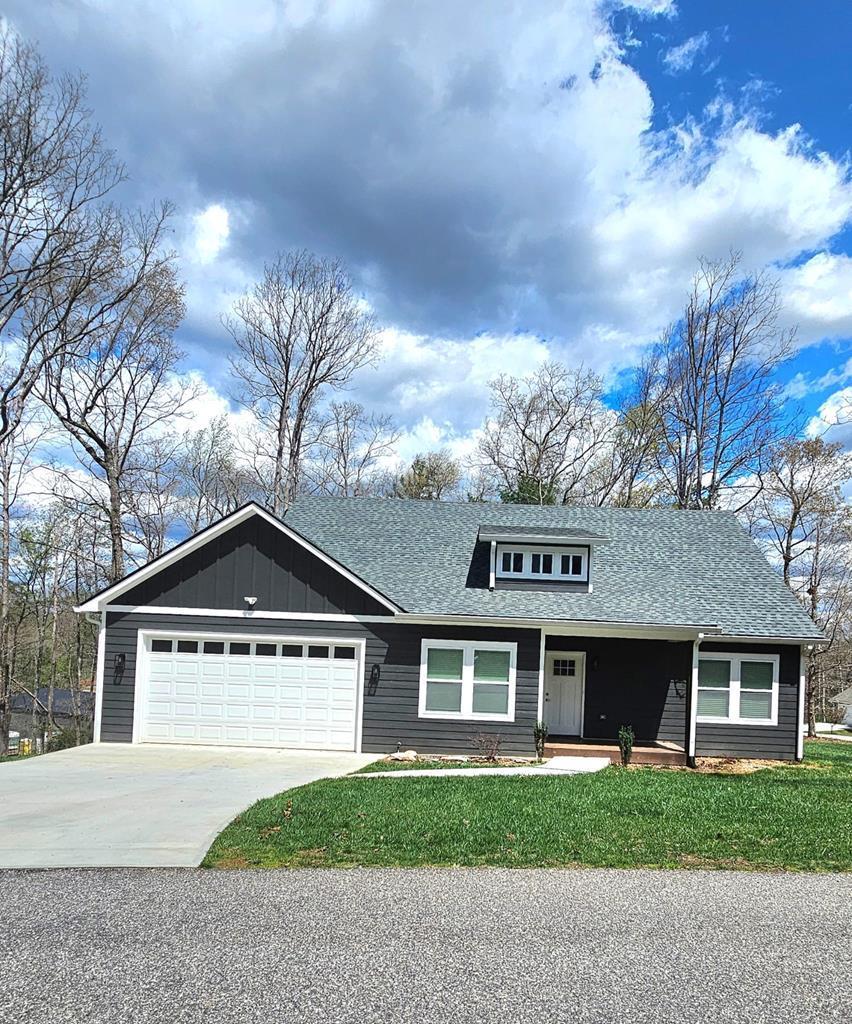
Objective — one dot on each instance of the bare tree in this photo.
(801, 515)
(213, 480)
(56, 233)
(122, 391)
(545, 433)
(299, 332)
(351, 447)
(433, 475)
(712, 378)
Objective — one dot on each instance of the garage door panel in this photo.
(258, 693)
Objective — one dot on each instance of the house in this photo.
(371, 624)
(844, 702)
(63, 710)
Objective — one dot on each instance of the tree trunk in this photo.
(115, 525)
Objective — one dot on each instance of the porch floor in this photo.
(643, 753)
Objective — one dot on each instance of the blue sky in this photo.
(508, 183)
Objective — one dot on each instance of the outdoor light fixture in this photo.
(250, 601)
(118, 668)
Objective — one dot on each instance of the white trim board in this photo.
(99, 601)
(555, 627)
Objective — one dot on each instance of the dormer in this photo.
(548, 557)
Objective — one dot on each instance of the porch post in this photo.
(693, 703)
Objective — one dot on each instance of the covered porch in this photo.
(593, 685)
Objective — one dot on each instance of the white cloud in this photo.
(818, 297)
(211, 231)
(680, 58)
(833, 420)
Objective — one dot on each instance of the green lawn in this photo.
(796, 818)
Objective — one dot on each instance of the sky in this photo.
(507, 183)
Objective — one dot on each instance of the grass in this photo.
(798, 817)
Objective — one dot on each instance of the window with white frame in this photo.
(738, 688)
(537, 563)
(468, 680)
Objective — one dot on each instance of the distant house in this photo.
(368, 624)
(63, 709)
(844, 699)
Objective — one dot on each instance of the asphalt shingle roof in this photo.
(659, 566)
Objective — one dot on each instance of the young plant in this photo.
(626, 736)
(488, 744)
(540, 734)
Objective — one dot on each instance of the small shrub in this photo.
(488, 744)
(626, 736)
(62, 740)
(540, 734)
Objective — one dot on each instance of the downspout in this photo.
(492, 572)
(98, 619)
(693, 703)
(803, 684)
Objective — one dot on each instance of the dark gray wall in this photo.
(255, 559)
(390, 701)
(759, 741)
(643, 683)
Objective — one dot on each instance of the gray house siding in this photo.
(392, 677)
(254, 559)
(643, 683)
(758, 741)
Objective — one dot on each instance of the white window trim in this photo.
(528, 550)
(733, 717)
(467, 714)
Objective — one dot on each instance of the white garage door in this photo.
(253, 693)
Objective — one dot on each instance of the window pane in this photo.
(490, 698)
(756, 675)
(345, 652)
(714, 673)
(576, 565)
(239, 648)
(443, 696)
(187, 646)
(442, 663)
(214, 646)
(291, 650)
(536, 563)
(161, 646)
(317, 651)
(518, 561)
(755, 705)
(491, 665)
(547, 564)
(566, 565)
(265, 650)
(713, 703)
(507, 561)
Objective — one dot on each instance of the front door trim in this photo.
(550, 679)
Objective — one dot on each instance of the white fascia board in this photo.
(99, 602)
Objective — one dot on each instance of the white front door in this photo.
(249, 691)
(564, 673)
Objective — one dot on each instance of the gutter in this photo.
(693, 703)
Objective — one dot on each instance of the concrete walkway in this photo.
(123, 805)
(555, 766)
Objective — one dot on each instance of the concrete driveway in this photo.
(117, 805)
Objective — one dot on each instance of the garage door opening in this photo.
(248, 691)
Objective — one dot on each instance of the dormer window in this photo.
(512, 563)
(539, 563)
(545, 555)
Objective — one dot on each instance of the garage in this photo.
(249, 691)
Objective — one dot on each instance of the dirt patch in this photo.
(727, 766)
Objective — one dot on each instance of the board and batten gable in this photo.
(392, 676)
(253, 558)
